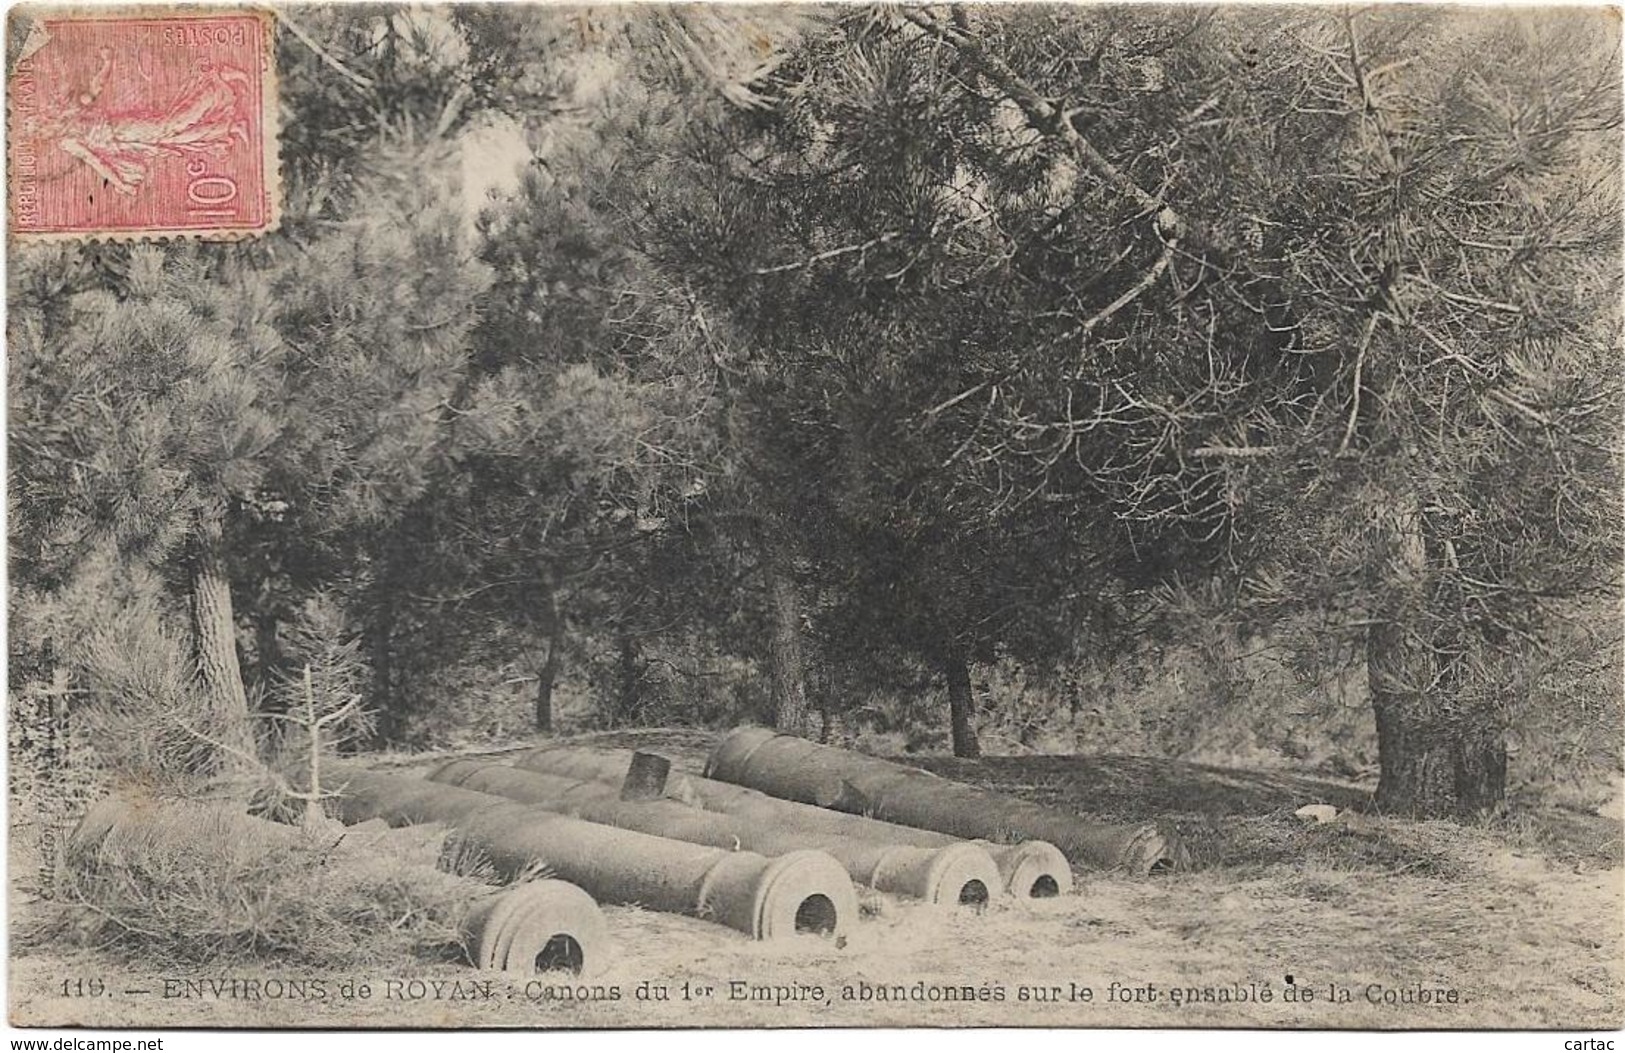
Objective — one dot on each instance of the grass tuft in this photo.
(203, 883)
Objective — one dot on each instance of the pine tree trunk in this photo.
(1436, 761)
(629, 694)
(544, 689)
(267, 649)
(1433, 769)
(825, 688)
(1413, 752)
(215, 632)
(380, 654)
(1480, 765)
(549, 674)
(961, 705)
(786, 663)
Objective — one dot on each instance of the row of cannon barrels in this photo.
(771, 781)
(770, 843)
(766, 897)
(1028, 869)
(957, 872)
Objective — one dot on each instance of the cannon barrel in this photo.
(955, 873)
(796, 769)
(765, 898)
(535, 927)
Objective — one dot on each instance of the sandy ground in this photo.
(1367, 919)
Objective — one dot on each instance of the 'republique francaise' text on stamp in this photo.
(129, 124)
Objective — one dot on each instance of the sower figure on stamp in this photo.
(119, 137)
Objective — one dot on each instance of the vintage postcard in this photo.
(1067, 516)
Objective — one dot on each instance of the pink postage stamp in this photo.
(141, 123)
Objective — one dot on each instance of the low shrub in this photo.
(204, 883)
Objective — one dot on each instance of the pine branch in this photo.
(253, 762)
(1133, 293)
(1239, 453)
(1051, 119)
(364, 84)
(1359, 370)
(844, 250)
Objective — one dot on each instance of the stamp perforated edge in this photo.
(25, 19)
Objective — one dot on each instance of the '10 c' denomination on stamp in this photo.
(140, 123)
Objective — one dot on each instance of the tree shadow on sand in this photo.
(1140, 788)
(1225, 816)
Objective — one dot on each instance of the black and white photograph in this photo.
(795, 515)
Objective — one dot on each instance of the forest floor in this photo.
(1344, 924)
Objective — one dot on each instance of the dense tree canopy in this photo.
(859, 348)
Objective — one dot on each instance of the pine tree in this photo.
(224, 415)
(1147, 297)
